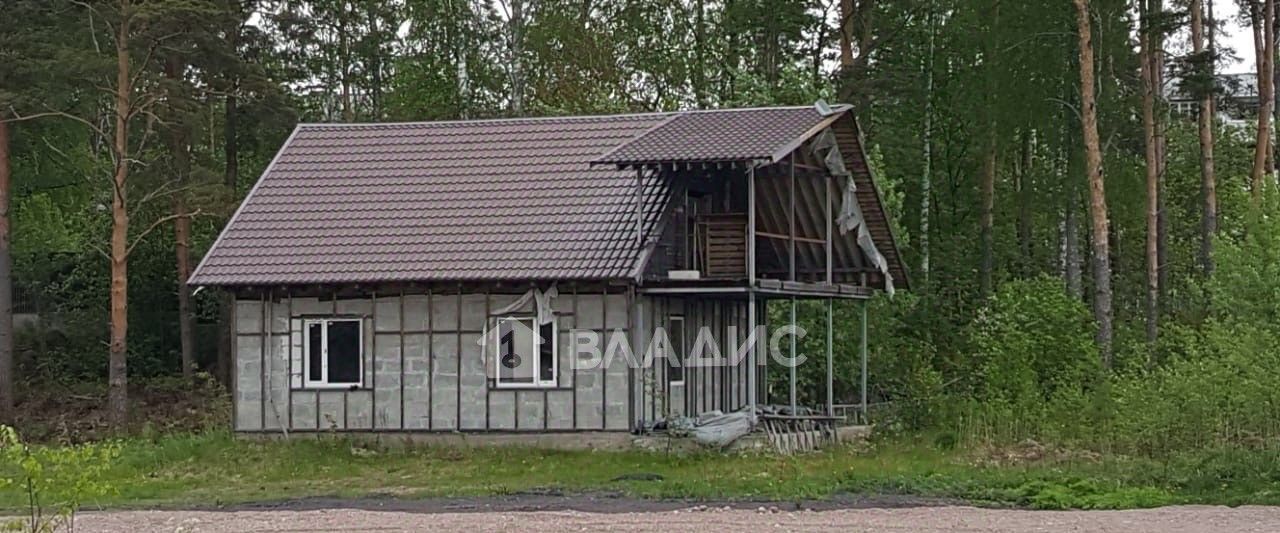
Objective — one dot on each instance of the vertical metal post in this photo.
(791, 220)
(792, 362)
(751, 227)
(862, 349)
(831, 394)
(751, 354)
(830, 270)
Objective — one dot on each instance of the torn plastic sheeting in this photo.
(712, 428)
(543, 301)
(850, 218)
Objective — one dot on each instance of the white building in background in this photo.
(1237, 99)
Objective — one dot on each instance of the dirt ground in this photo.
(542, 515)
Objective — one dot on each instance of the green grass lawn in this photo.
(217, 469)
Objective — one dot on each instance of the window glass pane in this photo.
(344, 352)
(516, 362)
(675, 359)
(546, 352)
(315, 346)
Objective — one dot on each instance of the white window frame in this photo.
(538, 382)
(683, 357)
(324, 383)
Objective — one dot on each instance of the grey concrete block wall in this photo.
(248, 383)
(473, 382)
(417, 379)
(424, 367)
(444, 382)
(387, 372)
(502, 410)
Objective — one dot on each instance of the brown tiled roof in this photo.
(754, 134)
(471, 200)
(512, 199)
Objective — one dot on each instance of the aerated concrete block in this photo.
(444, 395)
(415, 312)
(387, 381)
(531, 409)
(249, 378)
(502, 404)
(248, 316)
(417, 379)
(444, 312)
(473, 382)
(332, 414)
(359, 409)
(304, 409)
(560, 409)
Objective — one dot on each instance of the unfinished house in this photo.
(451, 276)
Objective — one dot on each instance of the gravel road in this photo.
(698, 518)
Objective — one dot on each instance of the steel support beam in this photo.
(751, 226)
(792, 361)
(828, 236)
(752, 352)
(751, 355)
(862, 350)
(791, 219)
(831, 395)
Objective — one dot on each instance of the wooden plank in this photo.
(798, 238)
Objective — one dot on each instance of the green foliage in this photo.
(1031, 342)
(216, 468)
(53, 482)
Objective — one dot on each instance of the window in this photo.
(333, 349)
(526, 353)
(675, 359)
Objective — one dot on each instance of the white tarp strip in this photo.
(544, 301)
(850, 217)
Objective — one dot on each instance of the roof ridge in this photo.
(552, 118)
(459, 122)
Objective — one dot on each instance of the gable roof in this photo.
(480, 200)
(754, 134)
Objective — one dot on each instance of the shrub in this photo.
(1031, 341)
(54, 480)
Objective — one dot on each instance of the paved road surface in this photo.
(908, 519)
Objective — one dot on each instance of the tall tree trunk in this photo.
(230, 179)
(846, 34)
(7, 367)
(227, 302)
(856, 37)
(987, 180)
(1204, 122)
(1100, 226)
(926, 177)
(987, 219)
(700, 92)
(1072, 272)
(1262, 18)
(517, 57)
(117, 372)
(1162, 148)
(1147, 66)
(1023, 186)
(179, 154)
